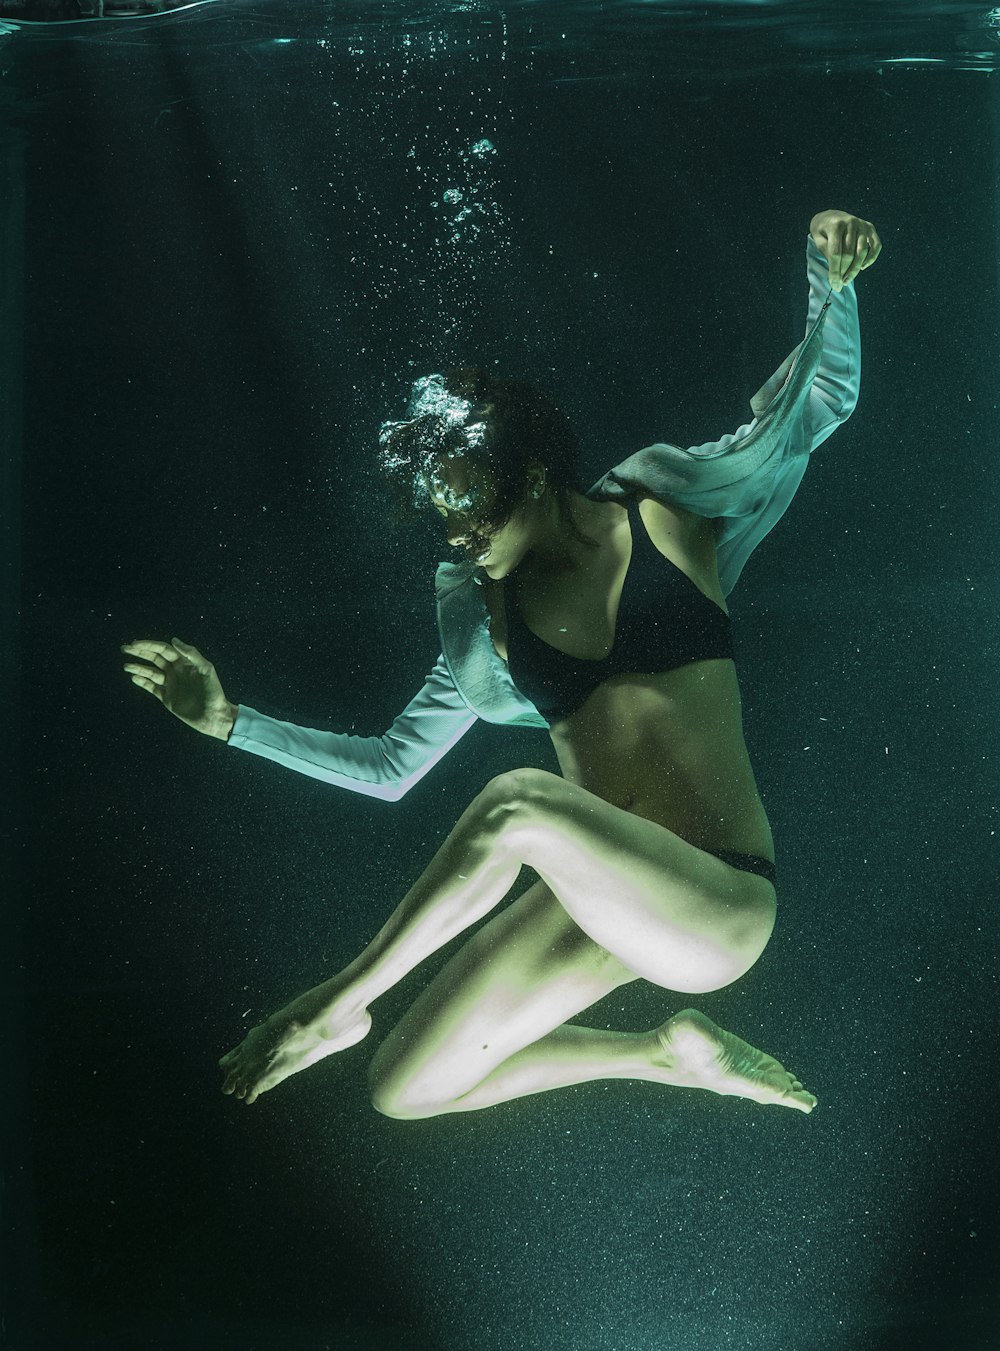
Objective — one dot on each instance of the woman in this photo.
(603, 617)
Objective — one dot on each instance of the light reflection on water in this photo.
(603, 38)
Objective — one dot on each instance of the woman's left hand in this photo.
(848, 243)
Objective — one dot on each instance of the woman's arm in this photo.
(839, 247)
(386, 767)
(746, 479)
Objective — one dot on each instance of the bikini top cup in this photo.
(664, 622)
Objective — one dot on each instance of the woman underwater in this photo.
(603, 617)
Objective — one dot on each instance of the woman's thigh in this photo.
(674, 914)
(525, 972)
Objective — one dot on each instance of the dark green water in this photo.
(222, 266)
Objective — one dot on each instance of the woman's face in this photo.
(497, 552)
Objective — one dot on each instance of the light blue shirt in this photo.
(744, 482)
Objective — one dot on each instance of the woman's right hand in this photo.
(184, 682)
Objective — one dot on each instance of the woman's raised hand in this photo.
(184, 682)
(848, 243)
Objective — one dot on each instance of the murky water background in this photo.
(232, 237)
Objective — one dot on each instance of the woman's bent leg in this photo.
(688, 1051)
(667, 910)
(662, 908)
(491, 1027)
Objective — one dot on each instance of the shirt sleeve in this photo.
(837, 382)
(384, 766)
(746, 480)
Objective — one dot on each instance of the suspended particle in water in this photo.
(453, 196)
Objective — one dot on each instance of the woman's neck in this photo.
(558, 548)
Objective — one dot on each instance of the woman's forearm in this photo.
(384, 766)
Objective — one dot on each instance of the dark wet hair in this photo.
(500, 425)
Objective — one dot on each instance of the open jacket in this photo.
(744, 482)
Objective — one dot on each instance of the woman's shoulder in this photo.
(687, 539)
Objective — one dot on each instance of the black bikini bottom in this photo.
(747, 863)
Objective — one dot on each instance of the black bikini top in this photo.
(664, 621)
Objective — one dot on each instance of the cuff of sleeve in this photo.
(243, 726)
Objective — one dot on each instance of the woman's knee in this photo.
(752, 926)
(519, 798)
(517, 789)
(388, 1086)
(423, 1072)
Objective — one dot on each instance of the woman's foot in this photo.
(695, 1053)
(289, 1041)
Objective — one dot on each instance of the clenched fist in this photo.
(848, 243)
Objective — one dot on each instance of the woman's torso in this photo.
(666, 746)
